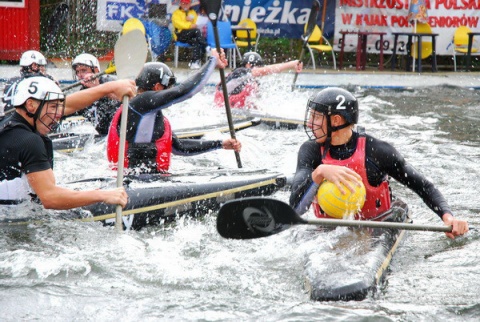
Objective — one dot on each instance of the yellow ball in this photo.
(338, 205)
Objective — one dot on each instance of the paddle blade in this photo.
(255, 217)
(212, 8)
(130, 54)
(312, 20)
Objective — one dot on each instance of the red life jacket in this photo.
(238, 100)
(163, 145)
(378, 199)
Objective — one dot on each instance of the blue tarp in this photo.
(159, 36)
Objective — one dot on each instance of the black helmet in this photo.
(153, 73)
(331, 101)
(252, 58)
(335, 100)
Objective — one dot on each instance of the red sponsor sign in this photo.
(444, 16)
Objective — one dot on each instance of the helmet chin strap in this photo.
(328, 141)
(336, 128)
(330, 130)
(35, 115)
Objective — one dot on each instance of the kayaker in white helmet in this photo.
(32, 63)
(26, 152)
(101, 112)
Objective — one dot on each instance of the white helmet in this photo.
(87, 60)
(32, 56)
(38, 87)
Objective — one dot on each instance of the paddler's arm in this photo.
(303, 188)
(389, 160)
(81, 99)
(459, 227)
(198, 146)
(151, 101)
(55, 197)
(277, 68)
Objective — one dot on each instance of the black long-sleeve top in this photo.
(382, 161)
(145, 117)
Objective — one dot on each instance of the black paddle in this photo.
(312, 21)
(256, 217)
(212, 8)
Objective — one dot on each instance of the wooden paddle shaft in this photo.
(121, 159)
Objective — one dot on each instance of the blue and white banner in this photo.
(112, 13)
(274, 18)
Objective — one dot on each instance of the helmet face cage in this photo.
(313, 123)
(54, 103)
(334, 101)
(41, 89)
(31, 70)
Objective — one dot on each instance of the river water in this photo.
(71, 271)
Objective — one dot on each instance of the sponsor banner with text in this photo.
(444, 16)
(274, 18)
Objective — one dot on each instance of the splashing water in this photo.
(186, 271)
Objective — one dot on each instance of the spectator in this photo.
(184, 21)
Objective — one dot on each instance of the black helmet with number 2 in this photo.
(331, 101)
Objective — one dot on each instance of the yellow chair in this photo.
(319, 43)
(427, 48)
(460, 43)
(243, 35)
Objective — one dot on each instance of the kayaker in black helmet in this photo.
(242, 85)
(150, 140)
(344, 156)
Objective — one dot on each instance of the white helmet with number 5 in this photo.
(39, 88)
